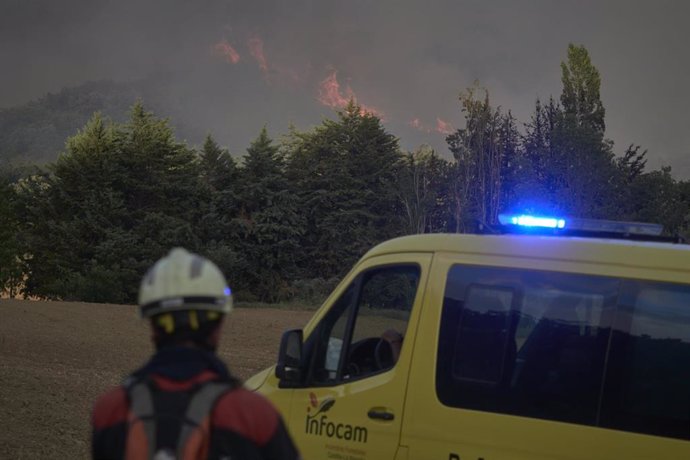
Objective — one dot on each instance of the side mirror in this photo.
(289, 367)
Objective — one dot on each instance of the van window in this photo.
(524, 342)
(363, 333)
(484, 332)
(648, 378)
(535, 344)
(335, 330)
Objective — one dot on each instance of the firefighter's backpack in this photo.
(171, 425)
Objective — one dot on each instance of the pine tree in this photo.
(345, 171)
(218, 167)
(268, 223)
(10, 252)
(116, 200)
(67, 214)
(218, 233)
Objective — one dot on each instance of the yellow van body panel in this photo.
(424, 427)
(630, 259)
(345, 430)
(443, 430)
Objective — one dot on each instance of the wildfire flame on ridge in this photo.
(416, 124)
(330, 95)
(226, 51)
(441, 127)
(256, 49)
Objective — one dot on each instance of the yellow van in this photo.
(572, 345)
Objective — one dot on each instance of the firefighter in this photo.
(184, 403)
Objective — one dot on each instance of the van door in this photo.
(351, 406)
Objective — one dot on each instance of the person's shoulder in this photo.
(247, 413)
(245, 401)
(110, 408)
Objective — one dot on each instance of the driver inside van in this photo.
(394, 340)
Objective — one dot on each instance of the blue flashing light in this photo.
(525, 220)
(227, 291)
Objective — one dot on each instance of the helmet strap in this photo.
(187, 327)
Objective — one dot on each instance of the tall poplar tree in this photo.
(586, 157)
(566, 148)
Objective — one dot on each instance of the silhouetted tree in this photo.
(268, 222)
(345, 174)
(116, 200)
(486, 154)
(10, 251)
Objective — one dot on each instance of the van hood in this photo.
(255, 382)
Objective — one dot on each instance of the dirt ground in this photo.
(56, 357)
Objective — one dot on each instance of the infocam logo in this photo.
(318, 423)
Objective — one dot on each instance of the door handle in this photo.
(380, 414)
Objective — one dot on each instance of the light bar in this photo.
(612, 226)
(525, 220)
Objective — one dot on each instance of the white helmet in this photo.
(183, 281)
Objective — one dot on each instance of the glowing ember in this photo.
(226, 51)
(329, 92)
(416, 124)
(330, 95)
(443, 127)
(256, 49)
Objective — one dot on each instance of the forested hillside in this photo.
(36, 132)
(289, 217)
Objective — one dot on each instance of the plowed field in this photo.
(56, 357)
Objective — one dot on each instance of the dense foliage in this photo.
(288, 218)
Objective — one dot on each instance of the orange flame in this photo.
(330, 95)
(256, 49)
(416, 124)
(226, 51)
(329, 92)
(443, 127)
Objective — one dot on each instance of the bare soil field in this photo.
(57, 357)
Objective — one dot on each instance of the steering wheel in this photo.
(383, 354)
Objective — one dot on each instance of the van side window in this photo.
(484, 331)
(524, 342)
(332, 333)
(364, 332)
(648, 378)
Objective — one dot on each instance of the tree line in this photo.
(290, 217)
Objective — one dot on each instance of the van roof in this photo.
(648, 256)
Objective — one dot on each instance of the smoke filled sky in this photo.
(235, 66)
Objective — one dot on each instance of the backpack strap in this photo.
(200, 407)
(141, 406)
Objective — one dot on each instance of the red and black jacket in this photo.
(242, 424)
